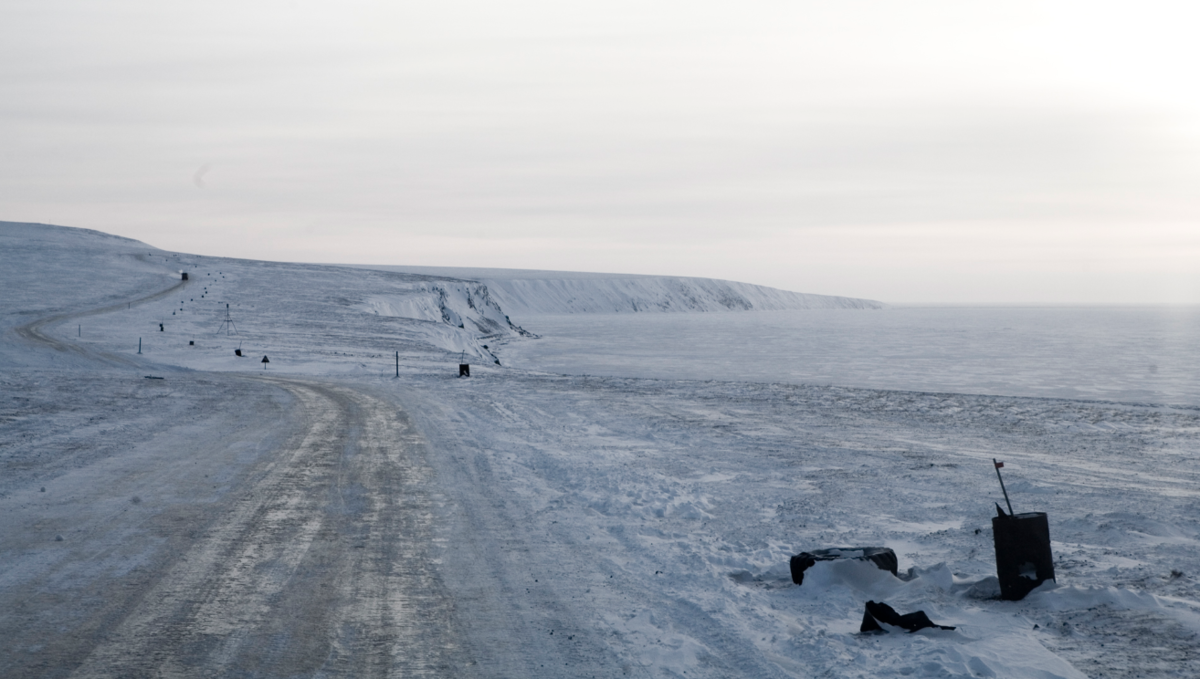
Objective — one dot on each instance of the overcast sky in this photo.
(909, 151)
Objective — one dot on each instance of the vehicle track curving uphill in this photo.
(315, 558)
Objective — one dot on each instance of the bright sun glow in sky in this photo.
(902, 151)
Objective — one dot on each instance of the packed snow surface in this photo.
(1146, 354)
(318, 516)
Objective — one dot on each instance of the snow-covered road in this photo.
(237, 530)
(317, 564)
(35, 331)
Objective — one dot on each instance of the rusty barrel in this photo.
(1023, 558)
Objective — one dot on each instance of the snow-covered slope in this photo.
(47, 264)
(522, 292)
(457, 303)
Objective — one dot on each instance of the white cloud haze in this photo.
(909, 152)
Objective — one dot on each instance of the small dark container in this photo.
(464, 370)
(1023, 558)
(184, 276)
(191, 343)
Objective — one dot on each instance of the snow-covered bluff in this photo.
(654, 293)
(521, 292)
(457, 303)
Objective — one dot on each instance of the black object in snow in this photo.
(237, 352)
(1023, 556)
(878, 612)
(883, 557)
(464, 370)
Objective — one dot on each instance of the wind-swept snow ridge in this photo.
(562, 292)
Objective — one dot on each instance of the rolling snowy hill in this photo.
(410, 312)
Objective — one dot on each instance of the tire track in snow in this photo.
(545, 592)
(397, 605)
(519, 625)
(38, 331)
(321, 567)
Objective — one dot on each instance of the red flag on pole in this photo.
(999, 465)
